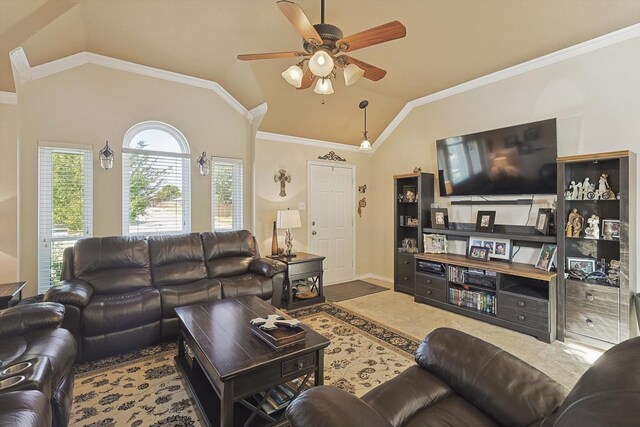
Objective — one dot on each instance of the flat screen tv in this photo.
(514, 160)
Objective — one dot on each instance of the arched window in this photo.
(155, 180)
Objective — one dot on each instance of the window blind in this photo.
(65, 205)
(155, 193)
(227, 194)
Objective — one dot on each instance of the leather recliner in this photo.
(31, 333)
(460, 380)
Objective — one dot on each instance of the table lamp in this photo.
(288, 219)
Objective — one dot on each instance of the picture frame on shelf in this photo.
(440, 218)
(611, 229)
(543, 221)
(547, 256)
(435, 243)
(485, 221)
(498, 248)
(479, 253)
(585, 265)
(409, 193)
(409, 245)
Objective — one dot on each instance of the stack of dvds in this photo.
(481, 301)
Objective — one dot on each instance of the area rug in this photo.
(144, 388)
(349, 290)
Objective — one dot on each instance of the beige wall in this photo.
(8, 194)
(91, 104)
(595, 98)
(272, 156)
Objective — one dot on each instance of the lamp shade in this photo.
(365, 145)
(323, 87)
(352, 73)
(321, 63)
(288, 219)
(293, 75)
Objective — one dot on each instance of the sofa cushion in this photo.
(229, 253)
(247, 284)
(25, 409)
(190, 293)
(111, 313)
(112, 265)
(452, 411)
(176, 259)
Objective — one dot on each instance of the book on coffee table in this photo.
(284, 336)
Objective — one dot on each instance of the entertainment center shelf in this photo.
(518, 233)
(508, 294)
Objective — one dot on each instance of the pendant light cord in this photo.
(322, 11)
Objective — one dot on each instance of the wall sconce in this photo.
(203, 164)
(106, 157)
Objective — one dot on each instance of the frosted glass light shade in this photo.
(321, 63)
(323, 87)
(365, 145)
(288, 219)
(352, 73)
(293, 75)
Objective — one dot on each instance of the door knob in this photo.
(313, 233)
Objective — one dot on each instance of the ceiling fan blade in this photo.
(296, 16)
(307, 79)
(270, 55)
(370, 72)
(372, 36)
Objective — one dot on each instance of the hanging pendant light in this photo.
(323, 87)
(352, 73)
(365, 145)
(293, 75)
(106, 157)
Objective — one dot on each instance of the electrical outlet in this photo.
(301, 206)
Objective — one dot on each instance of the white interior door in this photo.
(331, 217)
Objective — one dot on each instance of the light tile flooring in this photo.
(565, 362)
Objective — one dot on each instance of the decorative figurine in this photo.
(604, 190)
(588, 190)
(575, 223)
(614, 271)
(574, 191)
(593, 231)
(283, 178)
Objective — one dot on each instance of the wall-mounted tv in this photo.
(514, 160)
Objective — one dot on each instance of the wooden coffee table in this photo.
(230, 372)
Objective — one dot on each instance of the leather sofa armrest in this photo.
(326, 406)
(504, 387)
(21, 319)
(267, 267)
(70, 292)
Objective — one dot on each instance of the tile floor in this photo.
(565, 362)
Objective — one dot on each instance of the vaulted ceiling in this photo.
(448, 42)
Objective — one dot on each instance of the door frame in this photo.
(354, 197)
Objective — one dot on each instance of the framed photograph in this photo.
(485, 221)
(435, 243)
(611, 229)
(409, 193)
(586, 265)
(409, 245)
(546, 257)
(439, 218)
(498, 248)
(543, 221)
(479, 253)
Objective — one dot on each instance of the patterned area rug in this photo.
(144, 388)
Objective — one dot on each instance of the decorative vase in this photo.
(274, 241)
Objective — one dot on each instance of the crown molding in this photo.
(9, 98)
(268, 136)
(26, 72)
(257, 112)
(534, 64)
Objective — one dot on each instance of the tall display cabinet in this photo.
(413, 195)
(596, 259)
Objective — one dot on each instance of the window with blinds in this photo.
(227, 194)
(65, 205)
(155, 181)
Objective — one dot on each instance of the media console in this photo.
(512, 295)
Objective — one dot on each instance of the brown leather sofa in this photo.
(460, 380)
(30, 335)
(120, 292)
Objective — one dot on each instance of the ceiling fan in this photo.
(325, 47)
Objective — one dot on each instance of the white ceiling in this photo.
(448, 42)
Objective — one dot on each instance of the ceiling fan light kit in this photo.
(324, 47)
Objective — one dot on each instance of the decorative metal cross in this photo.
(272, 321)
(283, 178)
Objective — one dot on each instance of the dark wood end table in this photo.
(10, 294)
(230, 372)
(302, 269)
